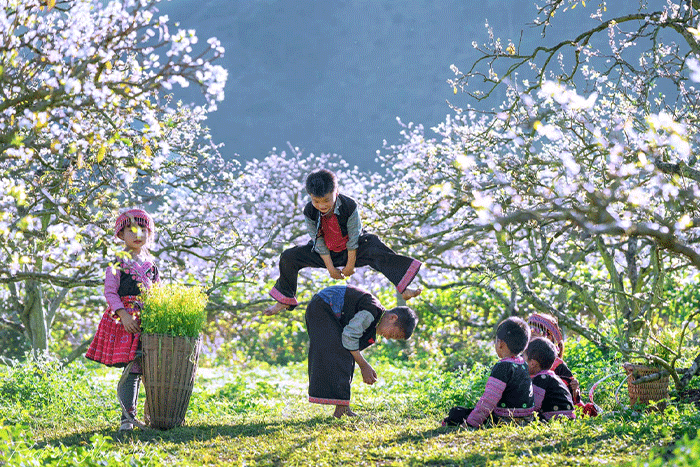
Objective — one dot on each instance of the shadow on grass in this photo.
(189, 433)
(592, 436)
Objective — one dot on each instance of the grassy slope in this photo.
(261, 417)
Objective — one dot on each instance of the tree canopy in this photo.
(576, 196)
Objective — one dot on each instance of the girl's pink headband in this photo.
(141, 217)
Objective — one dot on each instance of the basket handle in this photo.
(595, 386)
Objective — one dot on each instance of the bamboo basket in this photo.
(169, 367)
(644, 393)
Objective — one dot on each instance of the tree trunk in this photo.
(34, 319)
(77, 352)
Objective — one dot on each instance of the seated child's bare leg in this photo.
(341, 410)
(276, 308)
(410, 293)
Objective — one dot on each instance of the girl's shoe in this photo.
(126, 426)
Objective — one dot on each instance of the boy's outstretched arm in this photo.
(349, 268)
(354, 231)
(369, 376)
(332, 270)
(352, 332)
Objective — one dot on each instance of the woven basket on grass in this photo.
(169, 367)
(644, 393)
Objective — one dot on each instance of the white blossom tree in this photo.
(577, 196)
(86, 127)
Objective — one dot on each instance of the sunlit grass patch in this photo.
(260, 415)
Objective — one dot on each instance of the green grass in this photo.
(260, 416)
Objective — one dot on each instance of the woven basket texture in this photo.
(169, 368)
(643, 393)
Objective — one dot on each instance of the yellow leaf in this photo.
(147, 148)
(455, 89)
(51, 3)
(101, 153)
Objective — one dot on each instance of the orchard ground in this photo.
(257, 414)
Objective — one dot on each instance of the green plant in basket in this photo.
(173, 309)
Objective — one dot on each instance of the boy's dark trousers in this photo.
(371, 251)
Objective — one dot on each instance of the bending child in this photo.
(547, 326)
(552, 397)
(343, 320)
(117, 339)
(508, 395)
(337, 241)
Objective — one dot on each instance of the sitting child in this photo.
(343, 320)
(552, 397)
(544, 325)
(508, 395)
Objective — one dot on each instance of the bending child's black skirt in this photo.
(331, 365)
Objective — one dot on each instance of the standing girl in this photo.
(117, 339)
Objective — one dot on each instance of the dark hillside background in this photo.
(333, 76)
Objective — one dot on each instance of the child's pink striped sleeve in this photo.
(492, 394)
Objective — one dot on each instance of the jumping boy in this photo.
(337, 241)
(343, 320)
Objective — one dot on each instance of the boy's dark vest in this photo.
(355, 300)
(347, 207)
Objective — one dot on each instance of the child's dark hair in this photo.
(407, 319)
(515, 333)
(542, 350)
(320, 183)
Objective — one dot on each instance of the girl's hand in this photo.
(128, 321)
(369, 376)
(335, 273)
(574, 384)
(576, 396)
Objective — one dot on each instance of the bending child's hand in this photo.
(369, 376)
(348, 271)
(335, 273)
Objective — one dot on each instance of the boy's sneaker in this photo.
(126, 426)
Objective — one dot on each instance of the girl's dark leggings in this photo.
(128, 394)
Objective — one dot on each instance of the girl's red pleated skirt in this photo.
(113, 345)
